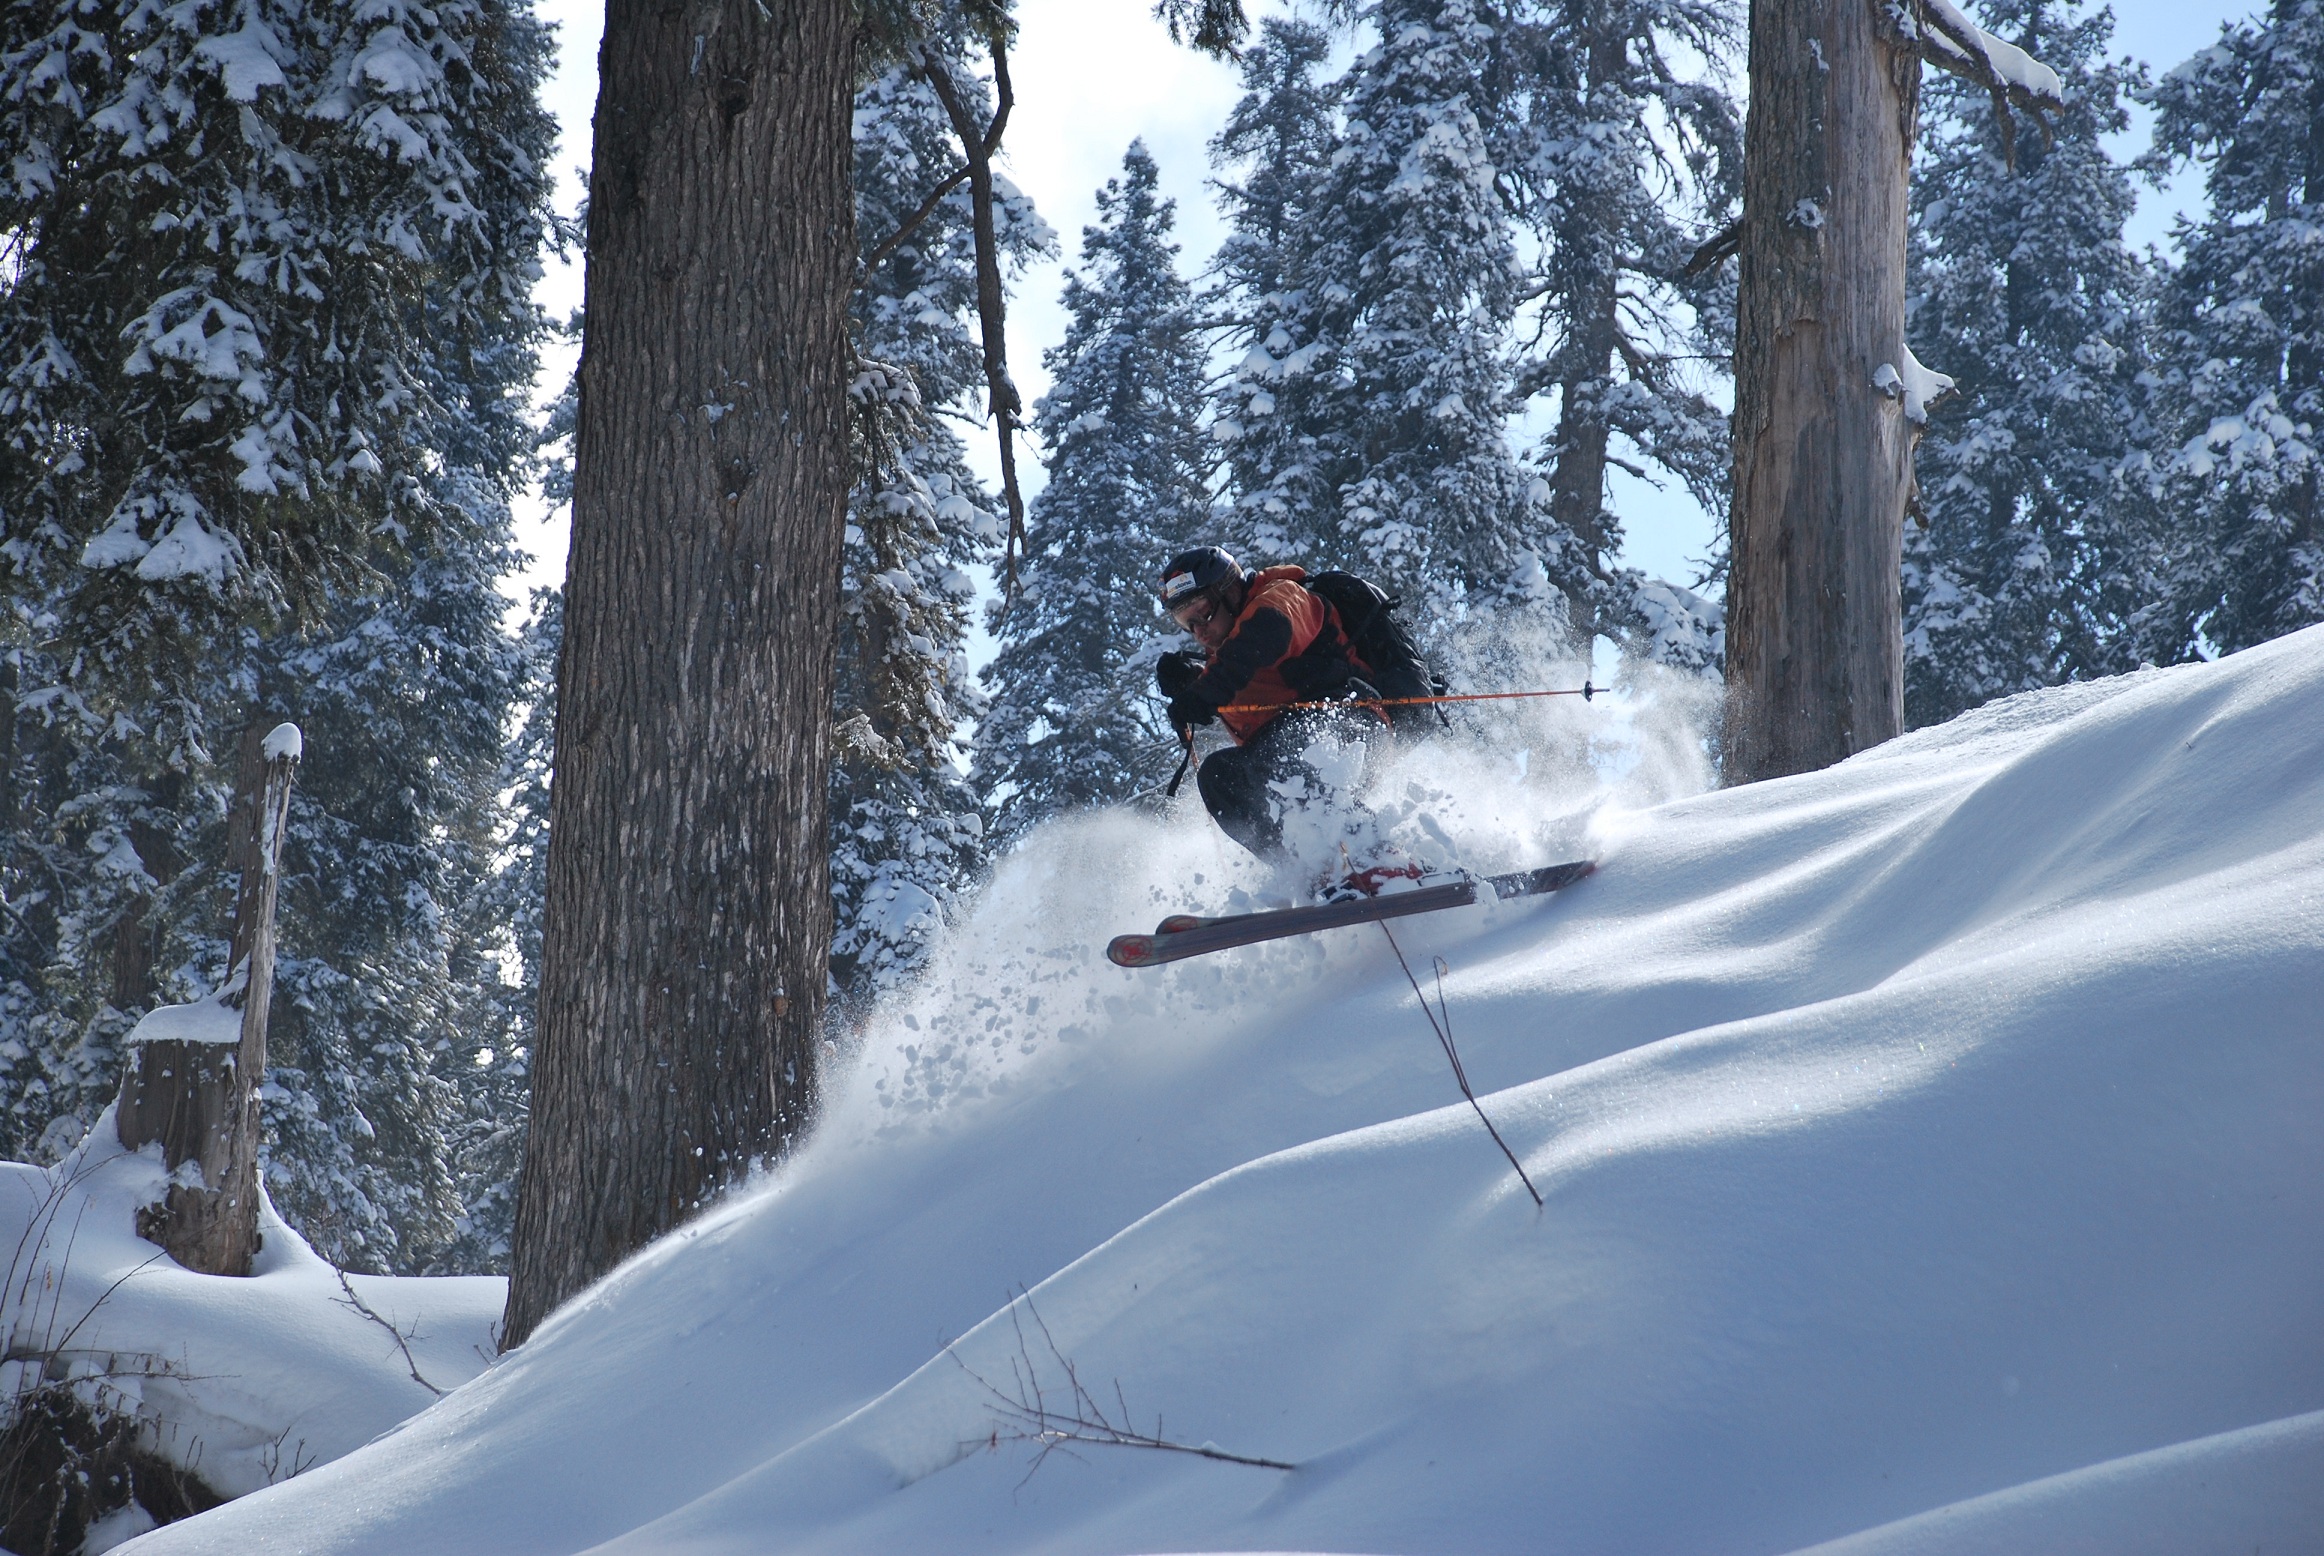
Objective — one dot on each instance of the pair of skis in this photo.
(1183, 934)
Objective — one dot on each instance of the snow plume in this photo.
(1017, 994)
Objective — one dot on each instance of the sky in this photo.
(1094, 75)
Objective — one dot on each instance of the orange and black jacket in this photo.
(1286, 646)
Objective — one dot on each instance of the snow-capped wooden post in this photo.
(194, 1070)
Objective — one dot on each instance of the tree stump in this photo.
(194, 1070)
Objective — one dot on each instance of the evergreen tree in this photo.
(269, 343)
(906, 829)
(1275, 146)
(1619, 163)
(1072, 722)
(221, 382)
(498, 935)
(1392, 382)
(393, 830)
(380, 986)
(2029, 557)
(2241, 342)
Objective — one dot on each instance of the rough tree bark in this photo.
(688, 916)
(197, 1097)
(1823, 458)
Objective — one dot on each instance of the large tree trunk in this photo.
(1823, 458)
(197, 1096)
(688, 917)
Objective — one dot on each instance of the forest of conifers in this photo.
(268, 363)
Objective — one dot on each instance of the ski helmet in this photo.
(1191, 572)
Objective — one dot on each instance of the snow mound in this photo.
(242, 1382)
(1931, 1159)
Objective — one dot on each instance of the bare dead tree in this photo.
(686, 931)
(686, 928)
(1823, 439)
(198, 1099)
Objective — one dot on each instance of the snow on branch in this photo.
(1918, 387)
(1941, 35)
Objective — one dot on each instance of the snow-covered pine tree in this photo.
(2030, 553)
(1072, 720)
(380, 985)
(1623, 149)
(906, 829)
(497, 941)
(217, 369)
(269, 342)
(1275, 145)
(2241, 336)
(1392, 377)
(394, 829)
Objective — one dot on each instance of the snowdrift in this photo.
(1932, 1158)
(241, 1382)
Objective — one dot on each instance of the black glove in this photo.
(1175, 672)
(1188, 710)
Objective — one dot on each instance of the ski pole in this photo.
(1443, 1031)
(1585, 691)
(1184, 762)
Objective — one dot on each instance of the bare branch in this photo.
(1943, 37)
(1001, 394)
(1057, 1418)
(1443, 1030)
(878, 256)
(402, 1338)
(1721, 246)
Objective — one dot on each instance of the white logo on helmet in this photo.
(1175, 586)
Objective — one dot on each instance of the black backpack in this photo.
(1368, 616)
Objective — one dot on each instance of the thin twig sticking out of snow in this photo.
(1028, 1416)
(302, 1458)
(402, 1339)
(19, 1306)
(1443, 1030)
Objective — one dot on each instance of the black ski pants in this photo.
(1239, 784)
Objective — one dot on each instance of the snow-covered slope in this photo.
(245, 1382)
(1934, 1160)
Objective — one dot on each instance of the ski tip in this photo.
(1178, 922)
(1559, 876)
(1549, 878)
(1131, 951)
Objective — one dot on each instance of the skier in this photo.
(1272, 638)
